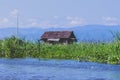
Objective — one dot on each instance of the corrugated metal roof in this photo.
(56, 34)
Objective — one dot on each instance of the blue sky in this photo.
(59, 13)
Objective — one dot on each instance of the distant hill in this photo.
(83, 33)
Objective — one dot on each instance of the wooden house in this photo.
(62, 37)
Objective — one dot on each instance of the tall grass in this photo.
(84, 51)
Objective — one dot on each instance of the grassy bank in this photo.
(95, 52)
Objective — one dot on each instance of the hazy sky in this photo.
(59, 13)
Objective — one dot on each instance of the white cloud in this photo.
(67, 22)
(4, 20)
(34, 24)
(75, 21)
(9, 21)
(110, 21)
(31, 20)
(48, 25)
(55, 22)
(69, 18)
(55, 17)
(26, 23)
(40, 23)
(14, 12)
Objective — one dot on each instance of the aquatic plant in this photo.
(14, 47)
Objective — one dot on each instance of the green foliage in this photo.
(94, 52)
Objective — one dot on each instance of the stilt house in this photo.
(62, 37)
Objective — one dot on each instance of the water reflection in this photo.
(35, 69)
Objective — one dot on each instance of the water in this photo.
(38, 69)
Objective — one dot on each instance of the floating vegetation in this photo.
(101, 52)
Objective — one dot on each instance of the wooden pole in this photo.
(17, 25)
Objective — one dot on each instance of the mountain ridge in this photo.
(83, 33)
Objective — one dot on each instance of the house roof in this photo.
(56, 34)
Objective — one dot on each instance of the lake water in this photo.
(38, 69)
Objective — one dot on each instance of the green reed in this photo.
(13, 47)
